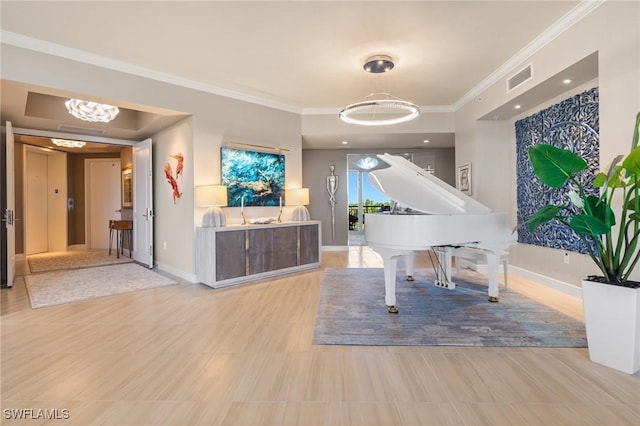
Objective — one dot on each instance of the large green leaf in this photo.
(632, 162)
(601, 210)
(584, 224)
(544, 215)
(631, 205)
(635, 216)
(554, 166)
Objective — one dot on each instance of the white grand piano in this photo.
(435, 216)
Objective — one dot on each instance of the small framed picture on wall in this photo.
(127, 187)
(464, 178)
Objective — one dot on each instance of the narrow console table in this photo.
(235, 254)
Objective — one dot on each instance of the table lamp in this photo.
(212, 196)
(299, 197)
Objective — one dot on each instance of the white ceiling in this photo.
(300, 56)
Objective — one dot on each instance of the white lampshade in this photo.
(299, 197)
(212, 196)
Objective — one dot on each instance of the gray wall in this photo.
(315, 169)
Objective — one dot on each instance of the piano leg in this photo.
(390, 260)
(408, 264)
(492, 266)
(390, 266)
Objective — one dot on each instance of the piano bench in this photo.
(470, 253)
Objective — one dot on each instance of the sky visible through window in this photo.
(368, 191)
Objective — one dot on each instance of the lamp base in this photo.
(300, 214)
(213, 217)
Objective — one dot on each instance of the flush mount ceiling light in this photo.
(91, 111)
(68, 144)
(367, 163)
(379, 109)
(379, 63)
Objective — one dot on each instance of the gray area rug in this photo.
(351, 311)
(66, 286)
(53, 261)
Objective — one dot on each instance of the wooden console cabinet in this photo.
(236, 254)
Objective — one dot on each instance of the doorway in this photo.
(363, 197)
(102, 198)
(45, 200)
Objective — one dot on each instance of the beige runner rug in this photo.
(73, 285)
(53, 261)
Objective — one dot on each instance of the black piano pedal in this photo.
(392, 309)
(493, 299)
(409, 277)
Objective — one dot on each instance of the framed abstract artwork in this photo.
(464, 178)
(252, 178)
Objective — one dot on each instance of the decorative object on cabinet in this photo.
(173, 181)
(213, 197)
(332, 187)
(126, 187)
(253, 178)
(464, 178)
(299, 197)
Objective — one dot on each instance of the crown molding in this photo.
(53, 49)
(576, 14)
(572, 17)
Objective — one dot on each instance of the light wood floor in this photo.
(191, 355)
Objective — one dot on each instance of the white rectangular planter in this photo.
(612, 321)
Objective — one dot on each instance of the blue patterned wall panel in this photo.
(570, 124)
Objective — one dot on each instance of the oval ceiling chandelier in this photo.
(91, 111)
(379, 109)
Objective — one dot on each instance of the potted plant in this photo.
(609, 226)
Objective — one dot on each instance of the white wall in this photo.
(612, 31)
(215, 122)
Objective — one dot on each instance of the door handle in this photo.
(8, 217)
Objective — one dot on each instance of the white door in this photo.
(102, 195)
(36, 206)
(143, 203)
(9, 214)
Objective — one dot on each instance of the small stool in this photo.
(123, 229)
(470, 253)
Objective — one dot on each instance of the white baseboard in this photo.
(558, 285)
(20, 256)
(77, 247)
(192, 278)
(561, 286)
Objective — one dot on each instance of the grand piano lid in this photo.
(408, 184)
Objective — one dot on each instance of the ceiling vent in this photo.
(520, 77)
(83, 130)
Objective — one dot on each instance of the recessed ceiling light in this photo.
(517, 107)
(567, 81)
(425, 141)
(344, 142)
